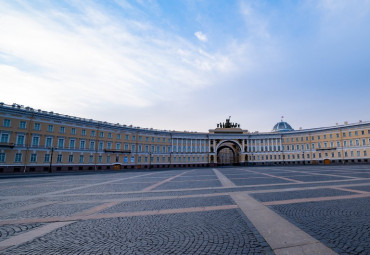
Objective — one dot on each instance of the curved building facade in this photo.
(36, 141)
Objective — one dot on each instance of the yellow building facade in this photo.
(37, 141)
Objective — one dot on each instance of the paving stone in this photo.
(276, 196)
(343, 225)
(188, 233)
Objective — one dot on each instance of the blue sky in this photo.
(187, 65)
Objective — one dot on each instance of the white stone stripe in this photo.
(226, 182)
(30, 235)
(282, 236)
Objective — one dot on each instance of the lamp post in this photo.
(51, 159)
(150, 160)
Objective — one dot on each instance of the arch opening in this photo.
(228, 153)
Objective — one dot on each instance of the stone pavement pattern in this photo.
(234, 210)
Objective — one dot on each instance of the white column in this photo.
(191, 145)
(177, 145)
(268, 144)
(281, 148)
(243, 146)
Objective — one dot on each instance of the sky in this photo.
(188, 65)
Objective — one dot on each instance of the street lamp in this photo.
(150, 160)
(51, 159)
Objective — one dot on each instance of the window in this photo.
(47, 158)
(4, 138)
(6, 123)
(344, 134)
(147, 139)
(350, 134)
(92, 145)
(356, 133)
(358, 154)
(357, 142)
(61, 143)
(118, 136)
(73, 131)
(318, 137)
(132, 159)
(118, 146)
(91, 158)
(81, 158)
(140, 148)
(92, 132)
(365, 154)
(101, 134)
(83, 132)
(35, 141)
(344, 143)
(50, 128)
(59, 158)
(133, 148)
(33, 157)
(140, 138)
(48, 142)
(109, 135)
(133, 138)
(18, 157)
(37, 126)
(62, 130)
(100, 159)
(20, 140)
(101, 145)
(331, 136)
(72, 143)
(338, 144)
(82, 144)
(109, 145)
(108, 159)
(22, 125)
(339, 154)
(324, 136)
(70, 158)
(2, 157)
(158, 140)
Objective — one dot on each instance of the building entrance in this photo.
(228, 153)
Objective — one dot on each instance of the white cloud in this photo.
(201, 37)
(92, 56)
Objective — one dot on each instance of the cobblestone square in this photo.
(228, 210)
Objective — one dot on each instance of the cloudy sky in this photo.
(187, 65)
